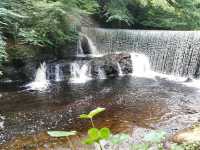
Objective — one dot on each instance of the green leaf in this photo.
(89, 141)
(94, 133)
(84, 116)
(155, 136)
(118, 138)
(61, 133)
(105, 133)
(140, 147)
(96, 111)
(92, 113)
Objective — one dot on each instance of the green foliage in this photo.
(89, 6)
(42, 24)
(155, 14)
(119, 138)
(92, 113)
(61, 133)
(95, 135)
(117, 11)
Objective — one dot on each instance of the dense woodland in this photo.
(31, 27)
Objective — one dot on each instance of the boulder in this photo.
(188, 135)
(110, 65)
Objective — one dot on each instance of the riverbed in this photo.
(131, 103)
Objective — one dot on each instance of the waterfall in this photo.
(101, 73)
(87, 47)
(79, 73)
(40, 82)
(80, 51)
(120, 69)
(141, 65)
(58, 74)
(169, 52)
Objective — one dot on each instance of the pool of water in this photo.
(130, 103)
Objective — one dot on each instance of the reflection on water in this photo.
(129, 102)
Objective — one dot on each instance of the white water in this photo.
(101, 74)
(120, 70)
(92, 47)
(57, 73)
(141, 65)
(142, 68)
(40, 83)
(79, 73)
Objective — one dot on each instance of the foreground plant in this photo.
(92, 114)
(96, 135)
(67, 134)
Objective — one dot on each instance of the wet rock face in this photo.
(85, 45)
(111, 65)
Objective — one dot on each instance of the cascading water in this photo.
(153, 53)
(79, 73)
(170, 52)
(141, 65)
(86, 47)
(40, 82)
(120, 70)
(58, 73)
(101, 73)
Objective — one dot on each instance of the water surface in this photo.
(130, 103)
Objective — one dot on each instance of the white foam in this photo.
(40, 83)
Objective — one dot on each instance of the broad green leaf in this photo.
(140, 147)
(92, 113)
(96, 111)
(89, 141)
(105, 133)
(84, 116)
(155, 136)
(61, 133)
(94, 133)
(118, 138)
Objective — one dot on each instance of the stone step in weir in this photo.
(94, 68)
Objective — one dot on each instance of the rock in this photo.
(188, 80)
(84, 44)
(188, 135)
(110, 65)
(139, 133)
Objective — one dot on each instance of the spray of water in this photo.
(80, 73)
(40, 83)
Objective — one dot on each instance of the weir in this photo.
(169, 52)
(101, 53)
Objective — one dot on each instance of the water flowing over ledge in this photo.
(173, 55)
(40, 83)
(169, 52)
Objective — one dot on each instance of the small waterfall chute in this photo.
(87, 47)
(120, 69)
(101, 74)
(40, 83)
(58, 73)
(141, 65)
(80, 73)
